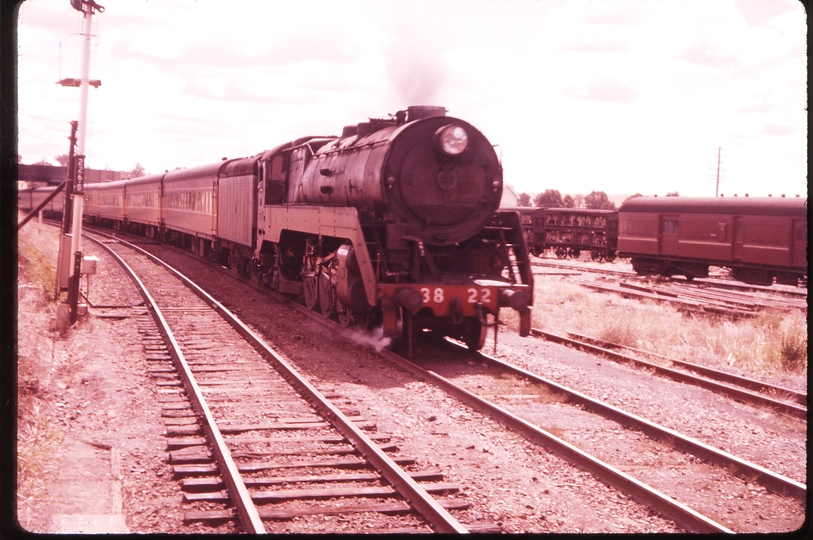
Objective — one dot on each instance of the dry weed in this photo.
(556, 431)
(36, 436)
(773, 341)
(793, 346)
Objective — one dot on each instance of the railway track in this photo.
(710, 296)
(701, 298)
(734, 387)
(752, 300)
(521, 405)
(665, 504)
(577, 268)
(773, 391)
(242, 433)
(712, 288)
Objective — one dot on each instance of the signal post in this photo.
(77, 165)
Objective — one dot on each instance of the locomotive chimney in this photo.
(416, 112)
(349, 131)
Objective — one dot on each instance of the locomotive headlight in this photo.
(452, 139)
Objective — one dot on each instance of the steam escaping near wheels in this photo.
(374, 339)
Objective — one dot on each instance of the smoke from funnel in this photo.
(416, 76)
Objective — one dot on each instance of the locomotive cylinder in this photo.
(349, 285)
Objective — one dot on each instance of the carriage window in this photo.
(721, 232)
(671, 226)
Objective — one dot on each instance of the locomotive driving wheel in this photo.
(474, 334)
(346, 316)
(310, 287)
(327, 302)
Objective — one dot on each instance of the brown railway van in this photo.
(759, 239)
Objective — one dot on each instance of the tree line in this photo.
(551, 198)
(596, 200)
(63, 159)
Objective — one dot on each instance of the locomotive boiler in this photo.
(433, 178)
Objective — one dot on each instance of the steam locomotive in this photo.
(393, 224)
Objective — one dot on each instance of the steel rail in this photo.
(777, 483)
(738, 285)
(629, 289)
(725, 298)
(713, 281)
(735, 297)
(753, 384)
(732, 391)
(428, 507)
(590, 269)
(246, 510)
(641, 492)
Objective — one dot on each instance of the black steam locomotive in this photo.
(392, 224)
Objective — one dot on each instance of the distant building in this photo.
(509, 196)
(45, 175)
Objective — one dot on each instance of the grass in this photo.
(556, 431)
(793, 345)
(37, 266)
(36, 436)
(773, 342)
(546, 395)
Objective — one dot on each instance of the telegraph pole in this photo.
(717, 189)
(86, 7)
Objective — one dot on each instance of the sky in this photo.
(621, 96)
